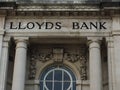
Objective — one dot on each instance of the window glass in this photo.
(57, 78)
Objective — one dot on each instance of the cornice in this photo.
(58, 7)
(76, 9)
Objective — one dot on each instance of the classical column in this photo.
(20, 63)
(1, 41)
(3, 52)
(116, 42)
(2, 24)
(116, 62)
(4, 63)
(95, 64)
(111, 67)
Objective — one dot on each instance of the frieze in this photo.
(61, 25)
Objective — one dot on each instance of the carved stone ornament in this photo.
(83, 68)
(37, 55)
(58, 55)
(71, 57)
(44, 57)
(32, 68)
(82, 63)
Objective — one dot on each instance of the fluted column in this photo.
(4, 63)
(95, 65)
(20, 63)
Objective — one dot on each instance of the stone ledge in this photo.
(75, 9)
(37, 82)
(59, 34)
(56, 7)
(115, 32)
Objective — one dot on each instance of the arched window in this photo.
(57, 78)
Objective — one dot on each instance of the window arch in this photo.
(57, 78)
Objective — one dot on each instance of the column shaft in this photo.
(3, 66)
(110, 50)
(95, 66)
(116, 62)
(19, 66)
(1, 41)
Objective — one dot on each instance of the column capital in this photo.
(2, 32)
(6, 41)
(109, 39)
(21, 39)
(94, 39)
(21, 42)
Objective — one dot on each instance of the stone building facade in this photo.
(60, 45)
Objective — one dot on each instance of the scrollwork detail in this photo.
(32, 67)
(37, 55)
(45, 57)
(71, 57)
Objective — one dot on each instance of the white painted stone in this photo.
(20, 65)
(117, 62)
(95, 65)
(4, 64)
(1, 41)
(111, 63)
(65, 23)
(1, 34)
(2, 22)
(116, 23)
(3, 55)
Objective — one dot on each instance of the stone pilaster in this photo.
(111, 67)
(116, 48)
(116, 62)
(116, 23)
